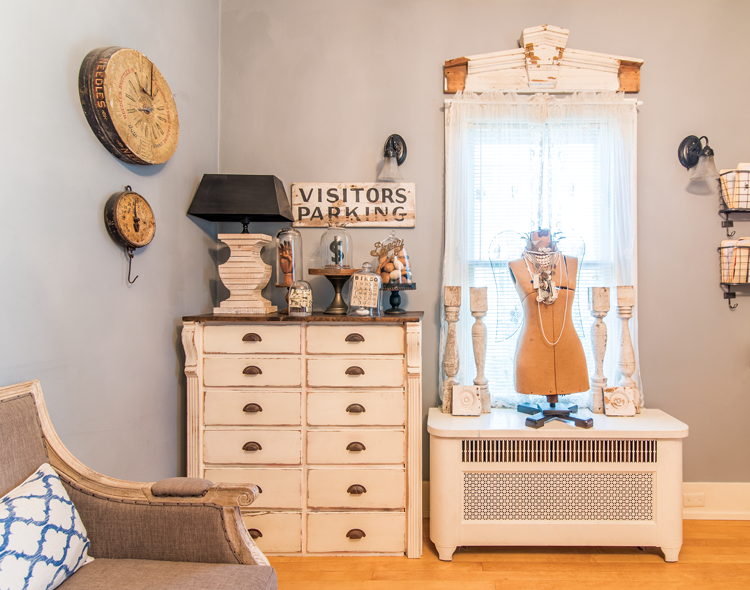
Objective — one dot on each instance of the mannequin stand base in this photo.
(543, 413)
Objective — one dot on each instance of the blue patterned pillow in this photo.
(42, 538)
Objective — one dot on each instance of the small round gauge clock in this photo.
(129, 219)
(128, 105)
(130, 222)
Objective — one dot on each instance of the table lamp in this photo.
(244, 198)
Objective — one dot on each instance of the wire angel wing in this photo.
(505, 247)
(571, 244)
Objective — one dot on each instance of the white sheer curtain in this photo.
(518, 163)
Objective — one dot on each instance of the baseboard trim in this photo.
(724, 500)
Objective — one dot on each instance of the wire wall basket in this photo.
(734, 188)
(735, 263)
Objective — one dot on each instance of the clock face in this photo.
(129, 219)
(129, 105)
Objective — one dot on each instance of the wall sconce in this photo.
(394, 154)
(693, 154)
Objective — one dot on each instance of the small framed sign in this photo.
(386, 204)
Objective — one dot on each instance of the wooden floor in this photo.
(715, 555)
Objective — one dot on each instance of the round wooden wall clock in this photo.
(130, 222)
(129, 105)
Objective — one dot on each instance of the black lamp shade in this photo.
(241, 197)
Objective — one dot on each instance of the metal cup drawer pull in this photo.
(252, 337)
(355, 409)
(252, 370)
(254, 533)
(252, 408)
(356, 489)
(355, 447)
(252, 446)
(355, 534)
(355, 371)
(354, 338)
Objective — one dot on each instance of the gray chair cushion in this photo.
(140, 574)
(21, 441)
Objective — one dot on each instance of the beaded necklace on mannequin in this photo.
(541, 259)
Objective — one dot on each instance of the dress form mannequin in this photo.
(550, 359)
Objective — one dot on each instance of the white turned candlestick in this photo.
(478, 297)
(625, 304)
(599, 306)
(452, 304)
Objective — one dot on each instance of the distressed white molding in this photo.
(543, 63)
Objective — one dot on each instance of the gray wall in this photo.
(310, 91)
(108, 355)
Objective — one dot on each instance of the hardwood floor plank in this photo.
(388, 585)
(329, 576)
(715, 556)
(311, 564)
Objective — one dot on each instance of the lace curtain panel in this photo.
(517, 163)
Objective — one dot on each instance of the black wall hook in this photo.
(129, 251)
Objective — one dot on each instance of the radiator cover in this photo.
(495, 482)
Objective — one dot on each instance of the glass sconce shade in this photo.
(364, 293)
(288, 256)
(390, 171)
(336, 247)
(705, 169)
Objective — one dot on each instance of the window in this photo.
(517, 164)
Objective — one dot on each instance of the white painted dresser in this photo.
(323, 413)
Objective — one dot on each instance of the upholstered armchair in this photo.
(178, 533)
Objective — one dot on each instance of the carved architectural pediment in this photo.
(543, 63)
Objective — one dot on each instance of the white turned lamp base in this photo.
(245, 275)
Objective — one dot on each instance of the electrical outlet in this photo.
(694, 499)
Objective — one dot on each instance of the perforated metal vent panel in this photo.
(559, 496)
(558, 451)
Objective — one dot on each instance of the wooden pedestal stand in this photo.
(245, 275)
(337, 277)
(395, 299)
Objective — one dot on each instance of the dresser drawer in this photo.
(356, 408)
(251, 371)
(355, 339)
(384, 532)
(356, 488)
(278, 532)
(381, 447)
(280, 488)
(277, 447)
(250, 339)
(252, 408)
(355, 372)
